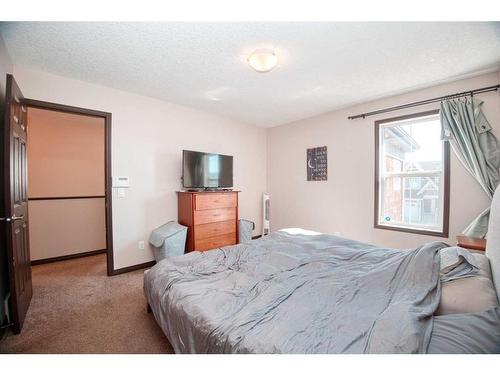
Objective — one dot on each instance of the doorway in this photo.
(14, 207)
(69, 189)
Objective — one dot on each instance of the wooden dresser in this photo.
(211, 218)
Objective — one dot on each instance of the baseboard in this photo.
(257, 236)
(135, 267)
(67, 257)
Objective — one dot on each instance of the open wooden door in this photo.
(14, 218)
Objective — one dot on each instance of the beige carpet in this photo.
(76, 308)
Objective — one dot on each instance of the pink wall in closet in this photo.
(65, 158)
(65, 154)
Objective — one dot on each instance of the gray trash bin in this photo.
(246, 228)
(168, 240)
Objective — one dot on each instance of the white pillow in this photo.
(471, 294)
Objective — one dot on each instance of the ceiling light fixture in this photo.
(263, 60)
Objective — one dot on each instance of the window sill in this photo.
(413, 231)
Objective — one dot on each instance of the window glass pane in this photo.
(411, 202)
(421, 201)
(392, 201)
(411, 174)
(416, 145)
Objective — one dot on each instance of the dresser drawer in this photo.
(214, 229)
(210, 201)
(215, 242)
(212, 216)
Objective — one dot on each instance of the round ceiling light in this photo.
(263, 60)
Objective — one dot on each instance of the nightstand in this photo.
(472, 243)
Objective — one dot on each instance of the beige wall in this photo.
(148, 136)
(66, 226)
(65, 154)
(65, 158)
(345, 202)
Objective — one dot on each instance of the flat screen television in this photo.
(201, 170)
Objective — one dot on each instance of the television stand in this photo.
(211, 218)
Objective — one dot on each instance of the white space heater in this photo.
(266, 228)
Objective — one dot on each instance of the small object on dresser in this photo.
(471, 243)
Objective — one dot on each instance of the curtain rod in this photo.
(428, 101)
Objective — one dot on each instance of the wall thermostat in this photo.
(121, 182)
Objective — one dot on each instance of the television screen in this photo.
(202, 170)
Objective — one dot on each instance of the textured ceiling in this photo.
(323, 66)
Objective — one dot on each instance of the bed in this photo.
(298, 291)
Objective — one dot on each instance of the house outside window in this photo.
(412, 175)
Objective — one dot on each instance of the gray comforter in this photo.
(297, 294)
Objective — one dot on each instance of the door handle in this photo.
(13, 218)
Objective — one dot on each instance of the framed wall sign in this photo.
(317, 166)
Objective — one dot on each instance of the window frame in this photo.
(446, 181)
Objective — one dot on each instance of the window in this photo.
(412, 175)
